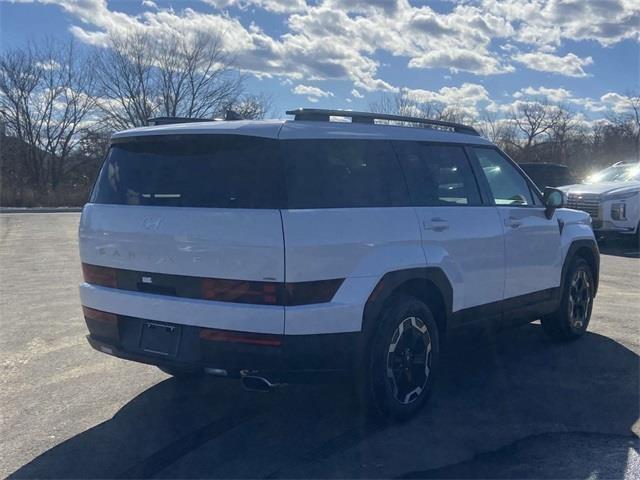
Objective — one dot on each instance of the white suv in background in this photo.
(611, 197)
(281, 251)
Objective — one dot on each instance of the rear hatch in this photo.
(168, 211)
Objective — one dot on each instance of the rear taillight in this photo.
(240, 291)
(218, 289)
(270, 293)
(97, 275)
(212, 335)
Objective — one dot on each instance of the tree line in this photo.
(60, 102)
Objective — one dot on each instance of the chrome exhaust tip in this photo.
(257, 384)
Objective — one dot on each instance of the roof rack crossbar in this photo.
(322, 115)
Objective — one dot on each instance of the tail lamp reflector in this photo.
(99, 315)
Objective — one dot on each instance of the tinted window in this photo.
(438, 174)
(342, 173)
(507, 184)
(224, 171)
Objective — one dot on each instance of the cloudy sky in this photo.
(475, 54)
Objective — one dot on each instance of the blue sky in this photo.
(476, 55)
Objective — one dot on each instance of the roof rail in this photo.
(170, 120)
(322, 115)
(228, 115)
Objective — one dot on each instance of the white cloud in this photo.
(570, 65)
(556, 95)
(149, 3)
(275, 6)
(340, 39)
(356, 93)
(550, 21)
(460, 60)
(618, 103)
(313, 94)
(465, 98)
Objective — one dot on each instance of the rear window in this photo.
(218, 171)
(342, 174)
(438, 175)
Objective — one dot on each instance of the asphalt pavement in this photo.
(511, 405)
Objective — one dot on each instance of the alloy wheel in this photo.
(409, 360)
(579, 299)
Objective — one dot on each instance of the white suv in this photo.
(281, 251)
(611, 197)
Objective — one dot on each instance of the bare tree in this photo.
(250, 107)
(405, 104)
(562, 132)
(533, 120)
(142, 76)
(45, 103)
(634, 103)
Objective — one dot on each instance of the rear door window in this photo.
(219, 171)
(507, 184)
(342, 174)
(438, 175)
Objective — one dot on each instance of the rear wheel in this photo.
(571, 320)
(402, 359)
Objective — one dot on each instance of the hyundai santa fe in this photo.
(285, 251)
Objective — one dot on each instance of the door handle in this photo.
(512, 222)
(436, 224)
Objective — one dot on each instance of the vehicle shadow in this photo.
(620, 246)
(492, 392)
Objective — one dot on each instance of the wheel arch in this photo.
(587, 249)
(429, 284)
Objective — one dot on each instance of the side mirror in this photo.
(553, 199)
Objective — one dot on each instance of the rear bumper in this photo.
(296, 359)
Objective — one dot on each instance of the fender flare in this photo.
(389, 283)
(573, 250)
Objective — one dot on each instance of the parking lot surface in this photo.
(508, 405)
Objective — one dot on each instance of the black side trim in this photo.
(511, 311)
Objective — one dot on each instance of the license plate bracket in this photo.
(160, 338)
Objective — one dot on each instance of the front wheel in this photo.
(571, 320)
(402, 360)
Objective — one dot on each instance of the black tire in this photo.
(399, 392)
(572, 318)
(182, 373)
